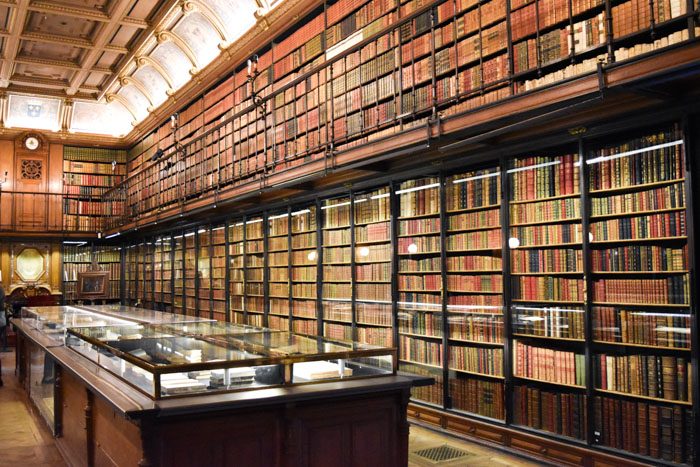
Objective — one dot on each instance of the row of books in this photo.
(641, 327)
(477, 327)
(671, 290)
(672, 224)
(419, 350)
(94, 168)
(544, 288)
(82, 179)
(543, 211)
(650, 159)
(554, 322)
(475, 283)
(661, 432)
(479, 240)
(668, 197)
(474, 220)
(93, 154)
(478, 396)
(546, 235)
(643, 258)
(547, 260)
(534, 178)
(417, 322)
(485, 361)
(543, 364)
(474, 190)
(557, 412)
(663, 377)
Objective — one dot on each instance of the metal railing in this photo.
(34, 212)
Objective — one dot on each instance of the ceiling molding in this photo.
(18, 16)
(105, 34)
(169, 36)
(130, 80)
(148, 61)
(163, 18)
(208, 14)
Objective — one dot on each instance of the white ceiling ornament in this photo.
(110, 118)
(40, 113)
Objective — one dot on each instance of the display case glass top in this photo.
(182, 359)
(143, 315)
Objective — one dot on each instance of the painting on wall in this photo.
(92, 285)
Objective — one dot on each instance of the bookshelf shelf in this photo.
(550, 273)
(636, 213)
(639, 240)
(632, 188)
(421, 364)
(552, 383)
(475, 229)
(553, 221)
(645, 305)
(563, 339)
(426, 234)
(642, 346)
(546, 198)
(473, 373)
(627, 273)
(638, 396)
(473, 342)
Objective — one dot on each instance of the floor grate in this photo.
(442, 453)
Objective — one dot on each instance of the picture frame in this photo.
(93, 284)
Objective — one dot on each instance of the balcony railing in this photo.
(32, 212)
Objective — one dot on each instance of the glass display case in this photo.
(53, 321)
(142, 315)
(183, 359)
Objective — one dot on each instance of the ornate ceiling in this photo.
(102, 66)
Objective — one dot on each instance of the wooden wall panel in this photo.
(117, 441)
(74, 440)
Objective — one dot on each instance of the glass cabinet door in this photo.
(420, 288)
(547, 287)
(304, 270)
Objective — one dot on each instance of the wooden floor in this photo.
(25, 441)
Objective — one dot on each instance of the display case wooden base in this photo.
(100, 420)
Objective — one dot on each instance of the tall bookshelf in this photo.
(373, 252)
(337, 240)
(87, 174)
(420, 313)
(547, 295)
(255, 270)
(304, 270)
(640, 297)
(190, 273)
(474, 292)
(204, 272)
(178, 255)
(131, 294)
(236, 265)
(218, 272)
(279, 264)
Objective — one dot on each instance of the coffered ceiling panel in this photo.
(51, 51)
(71, 27)
(116, 59)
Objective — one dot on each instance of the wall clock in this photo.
(31, 142)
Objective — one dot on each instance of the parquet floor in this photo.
(25, 441)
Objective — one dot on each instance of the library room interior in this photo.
(349, 233)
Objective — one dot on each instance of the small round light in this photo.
(513, 242)
(364, 251)
(312, 256)
(413, 248)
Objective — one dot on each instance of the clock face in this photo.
(31, 143)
